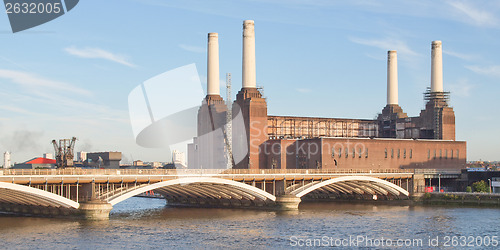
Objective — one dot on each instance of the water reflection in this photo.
(142, 222)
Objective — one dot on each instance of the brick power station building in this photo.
(256, 140)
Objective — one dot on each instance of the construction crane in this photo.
(229, 121)
(64, 152)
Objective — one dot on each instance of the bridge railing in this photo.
(438, 171)
(81, 171)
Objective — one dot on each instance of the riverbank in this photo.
(458, 198)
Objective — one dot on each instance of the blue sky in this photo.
(72, 76)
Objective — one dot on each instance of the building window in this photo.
(440, 153)
(346, 152)
(359, 153)
(392, 153)
(428, 154)
(451, 151)
(446, 153)
(366, 152)
(399, 153)
(457, 155)
(411, 153)
(353, 152)
(435, 154)
(333, 152)
(385, 153)
(404, 153)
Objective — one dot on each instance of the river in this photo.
(149, 223)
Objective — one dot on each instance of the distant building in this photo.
(103, 160)
(81, 156)
(179, 158)
(36, 163)
(495, 185)
(138, 163)
(6, 160)
(48, 156)
(193, 154)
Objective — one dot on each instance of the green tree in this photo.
(481, 186)
(468, 189)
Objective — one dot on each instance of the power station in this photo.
(391, 141)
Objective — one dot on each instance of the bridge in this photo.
(91, 193)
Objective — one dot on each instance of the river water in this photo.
(149, 223)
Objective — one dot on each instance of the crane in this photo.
(64, 152)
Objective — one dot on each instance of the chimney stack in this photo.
(437, 67)
(392, 77)
(249, 75)
(213, 64)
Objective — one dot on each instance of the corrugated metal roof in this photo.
(41, 160)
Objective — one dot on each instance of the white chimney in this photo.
(249, 74)
(392, 77)
(213, 64)
(437, 67)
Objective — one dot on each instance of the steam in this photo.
(23, 141)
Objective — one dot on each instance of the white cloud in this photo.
(303, 90)
(473, 15)
(387, 44)
(15, 109)
(493, 70)
(190, 48)
(96, 53)
(35, 82)
(461, 88)
(467, 57)
(46, 95)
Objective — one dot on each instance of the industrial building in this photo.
(103, 160)
(36, 163)
(391, 141)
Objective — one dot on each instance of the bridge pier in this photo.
(95, 210)
(288, 202)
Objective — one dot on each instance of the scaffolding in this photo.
(288, 127)
(439, 98)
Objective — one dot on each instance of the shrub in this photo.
(427, 196)
(468, 189)
(481, 187)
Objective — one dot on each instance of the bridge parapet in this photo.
(199, 172)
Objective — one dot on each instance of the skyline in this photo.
(76, 80)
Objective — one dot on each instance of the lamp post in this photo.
(439, 183)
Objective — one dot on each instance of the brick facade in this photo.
(364, 153)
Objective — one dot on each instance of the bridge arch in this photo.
(353, 184)
(25, 195)
(207, 187)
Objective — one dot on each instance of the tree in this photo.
(481, 186)
(468, 189)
